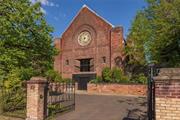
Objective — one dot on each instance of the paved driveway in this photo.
(103, 107)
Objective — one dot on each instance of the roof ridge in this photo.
(84, 5)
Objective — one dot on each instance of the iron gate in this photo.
(153, 71)
(61, 97)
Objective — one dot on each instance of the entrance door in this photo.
(82, 79)
(82, 83)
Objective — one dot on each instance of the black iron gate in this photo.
(153, 71)
(61, 97)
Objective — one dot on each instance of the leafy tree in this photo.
(25, 38)
(25, 48)
(155, 34)
(136, 40)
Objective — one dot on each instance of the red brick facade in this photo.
(106, 41)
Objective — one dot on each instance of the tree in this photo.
(25, 39)
(155, 34)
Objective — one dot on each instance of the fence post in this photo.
(150, 97)
(36, 98)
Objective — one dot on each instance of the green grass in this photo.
(2, 117)
(21, 114)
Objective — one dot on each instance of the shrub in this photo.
(117, 74)
(125, 79)
(53, 76)
(140, 78)
(98, 79)
(107, 74)
(14, 95)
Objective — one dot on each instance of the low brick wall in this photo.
(120, 89)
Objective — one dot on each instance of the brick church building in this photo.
(89, 44)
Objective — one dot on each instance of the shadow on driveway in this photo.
(103, 107)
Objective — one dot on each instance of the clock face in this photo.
(84, 38)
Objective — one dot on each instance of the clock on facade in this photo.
(84, 38)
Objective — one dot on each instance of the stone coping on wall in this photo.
(117, 89)
(168, 74)
(169, 71)
(164, 78)
(37, 80)
(103, 83)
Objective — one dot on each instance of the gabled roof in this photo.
(85, 6)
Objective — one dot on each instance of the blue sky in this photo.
(59, 13)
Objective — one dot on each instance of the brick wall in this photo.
(119, 89)
(106, 42)
(167, 94)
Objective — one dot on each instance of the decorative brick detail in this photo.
(120, 89)
(167, 94)
(36, 98)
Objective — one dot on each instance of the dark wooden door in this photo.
(82, 83)
(83, 79)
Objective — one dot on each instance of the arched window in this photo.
(104, 59)
(118, 61)
(67, 62)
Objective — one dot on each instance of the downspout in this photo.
(110, 47)
(61, 64)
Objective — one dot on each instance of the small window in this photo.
(85, 65)
(104, 59)
(67, 62)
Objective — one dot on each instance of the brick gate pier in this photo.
(167, 94)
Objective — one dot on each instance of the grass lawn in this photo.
(9, 118)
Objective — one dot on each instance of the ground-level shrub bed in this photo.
(117, 75)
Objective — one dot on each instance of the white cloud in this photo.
(45, 3)
(43, 10)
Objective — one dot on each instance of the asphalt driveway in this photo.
(103, 107)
